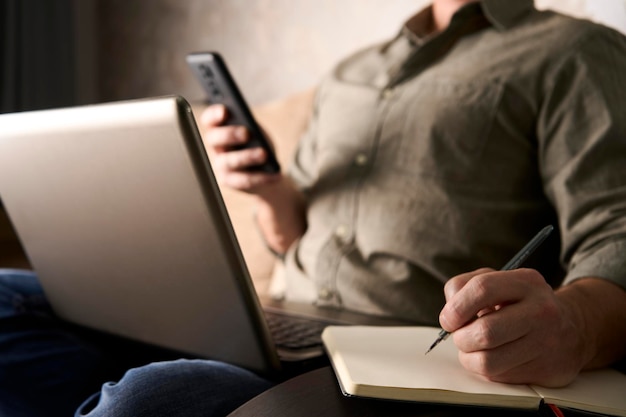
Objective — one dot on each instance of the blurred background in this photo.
(65, 52)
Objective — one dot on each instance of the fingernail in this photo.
(258, 155)
(218, 112)
(241, 133)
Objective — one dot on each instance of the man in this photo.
(508, 135)
(439, 152)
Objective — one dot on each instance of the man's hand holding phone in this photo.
(279, 206)
(220, 87)
(243, 156)
(232, 162)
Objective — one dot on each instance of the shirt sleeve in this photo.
(582, 155)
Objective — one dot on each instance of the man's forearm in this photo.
(599, 308)
(280, 215)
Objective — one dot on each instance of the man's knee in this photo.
(177, 388)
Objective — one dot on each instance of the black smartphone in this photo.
(220, 87)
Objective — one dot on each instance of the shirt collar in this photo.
(418, 27)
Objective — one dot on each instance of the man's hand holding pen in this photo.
(511, 326)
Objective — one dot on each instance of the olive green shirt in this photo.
(429, 156)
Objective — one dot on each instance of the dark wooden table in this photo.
(317, 394)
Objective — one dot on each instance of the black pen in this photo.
(514, 263)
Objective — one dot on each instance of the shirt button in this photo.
(387, 93)
(325, 294)
(360, 159)
(341, 231)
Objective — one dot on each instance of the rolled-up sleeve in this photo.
(582, 143)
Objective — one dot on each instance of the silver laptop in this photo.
(121, 217)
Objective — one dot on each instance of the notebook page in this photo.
(389, 362)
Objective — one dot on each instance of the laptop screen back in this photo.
(121, 217)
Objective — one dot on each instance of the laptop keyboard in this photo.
(295, 332)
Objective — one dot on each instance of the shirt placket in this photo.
(342, 240)
(344, 220)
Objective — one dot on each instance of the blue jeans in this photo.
(51, 368)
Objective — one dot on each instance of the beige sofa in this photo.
(284, 120)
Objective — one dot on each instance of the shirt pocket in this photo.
(447, 125)
(346, 125)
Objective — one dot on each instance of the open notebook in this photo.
(389, 363)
